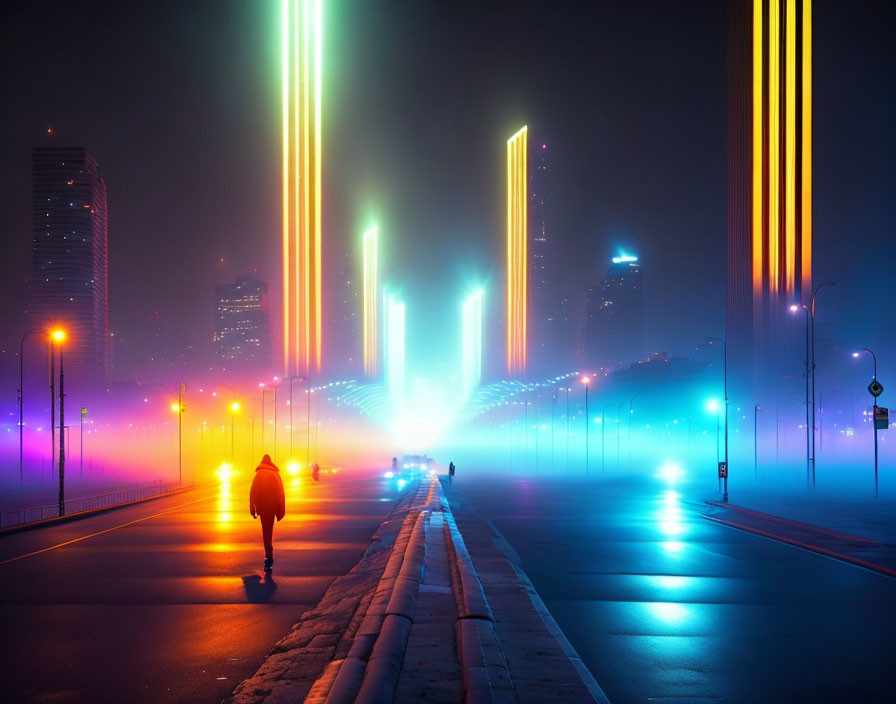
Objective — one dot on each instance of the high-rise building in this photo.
(242, 328)
(69, 262)
(769, 189)
(549, 339)
(614, 318)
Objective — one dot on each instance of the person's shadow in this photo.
(259, 589)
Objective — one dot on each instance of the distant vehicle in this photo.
(416, 463)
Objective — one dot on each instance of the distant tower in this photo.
(302, 81)
(242, 328)
(69, 263)
(769, 143)
(614, 320)
(517, 257)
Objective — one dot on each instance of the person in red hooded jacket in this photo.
(267, 500)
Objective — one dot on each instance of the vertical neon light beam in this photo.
(790, 149)
(517, 258)
(471, 343)
(370, 300)
(774, 159)
(302, 80)
(756, 221)
(395, 351)
(806, 155)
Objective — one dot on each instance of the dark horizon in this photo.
(418, 104)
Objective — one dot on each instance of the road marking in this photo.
(107, 530)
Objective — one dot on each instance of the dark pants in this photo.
(267, 532)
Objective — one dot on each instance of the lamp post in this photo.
(603, 423)
(275, 385)
(58, 337)
(234, 409)
(812, 368)
(805, 309)
(756, 410)
(875, 388)
(22, 406)
(725, 388)
(629, 430)
(81, 439)
(586, 380)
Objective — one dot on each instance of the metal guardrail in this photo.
(23, 516)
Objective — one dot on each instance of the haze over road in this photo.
(161, 602)
(663, 605)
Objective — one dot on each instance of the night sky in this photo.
(179, 103)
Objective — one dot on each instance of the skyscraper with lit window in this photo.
(614, 316)
(242, 327)
(769, 189)
(69, 260)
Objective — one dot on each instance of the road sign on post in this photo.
(875, 388)
(723, 470)
(881, 418)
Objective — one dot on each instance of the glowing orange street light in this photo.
(58, 335)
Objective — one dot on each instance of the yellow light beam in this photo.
(517, 238)
(790, 149)
(806, 155)
(757, 193)
(774, 120)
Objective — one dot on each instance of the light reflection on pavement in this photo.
(663, 605)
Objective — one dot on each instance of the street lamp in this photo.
(875, 388)
(724, 344)
(179, 408)
(57, 338)
(603, 423)
(794, 308)
(629, 431)
(586, 380)
(756, 410)
(234, 409)
(812, 367)
(22, 405)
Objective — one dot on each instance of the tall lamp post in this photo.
(179, 408)
(756, 410)
(58, 337)
(812, 368)
(234, 409)
(875, 388)
(603, 423)
(794, 308)
(629, 429)
(586, 380)
(725, 389)
(22, 406)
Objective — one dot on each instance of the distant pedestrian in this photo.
(315, 471)
(450, 472)
(267, 500)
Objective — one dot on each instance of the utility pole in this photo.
(61, 432)
(756, 410)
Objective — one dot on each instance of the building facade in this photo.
(614, 316)
(769, 188)
(69, 262)
(242, 326)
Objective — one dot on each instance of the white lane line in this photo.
(107, 530)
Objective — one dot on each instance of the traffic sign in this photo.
(881, 418)
(875, 388)
(723, 470)
(83, 411)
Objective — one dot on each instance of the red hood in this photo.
(268, 465)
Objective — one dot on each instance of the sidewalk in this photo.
(813, 532)
(436, 611)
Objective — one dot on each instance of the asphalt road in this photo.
(665, 606)
(163, 601)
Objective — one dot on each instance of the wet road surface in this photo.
(665, 606)
(163, 601)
